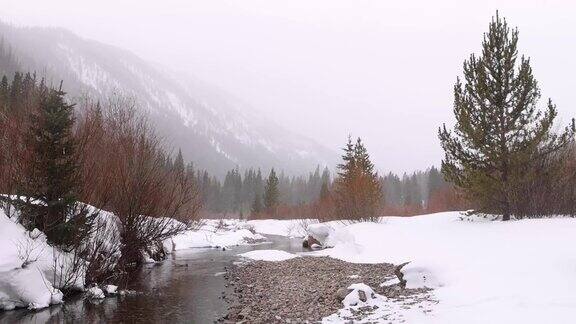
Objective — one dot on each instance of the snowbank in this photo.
(31, 271)
(482, 272)
(320, 232)
(210, 235)
(268, 255)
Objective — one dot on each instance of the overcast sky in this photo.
(381, 70)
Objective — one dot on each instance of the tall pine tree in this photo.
(499, 131)
(271, 192)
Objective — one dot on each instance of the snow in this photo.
(320, 232)
(376, 308)
(481, 271)
(111, 289)
(31, 271)
(95, 293)
(209, 235)
(268, 255)
(353, 298)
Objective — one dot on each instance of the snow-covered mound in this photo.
(268, 255)
(320, 232)
(481, 272)
(31, 271)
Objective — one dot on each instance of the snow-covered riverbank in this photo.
(481, 271)
(33, 273)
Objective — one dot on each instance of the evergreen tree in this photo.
(324, 192)
(271, 193)
(345, 192)
(179, 162)
(256, 205)
(4, 91)
(370, 192)
(52, 179)
(358, 191)
(499, 131)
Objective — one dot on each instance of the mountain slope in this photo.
(213, 129)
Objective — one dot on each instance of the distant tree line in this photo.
(244, 194)
(252, 190)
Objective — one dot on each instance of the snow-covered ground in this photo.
(481, 271)
(215, 233)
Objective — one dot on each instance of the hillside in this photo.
(214, 129)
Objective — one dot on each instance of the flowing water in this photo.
(186, 288)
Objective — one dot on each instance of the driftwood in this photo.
(400, 275)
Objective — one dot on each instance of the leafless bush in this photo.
(549, 186)
(68, 270)
(102, 250)
(303, 224)
(29, 251)
(220, 225)
(127, 162)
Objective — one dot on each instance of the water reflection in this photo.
(182, 289)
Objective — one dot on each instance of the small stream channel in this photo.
(185, 288)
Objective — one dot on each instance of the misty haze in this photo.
(287, 161)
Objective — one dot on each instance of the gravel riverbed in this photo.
(300, 290)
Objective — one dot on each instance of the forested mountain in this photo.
(214, 129)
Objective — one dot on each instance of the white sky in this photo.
(379, 70)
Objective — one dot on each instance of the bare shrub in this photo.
(127, 163)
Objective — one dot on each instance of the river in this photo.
(186, 288)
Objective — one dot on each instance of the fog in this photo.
(375, 69)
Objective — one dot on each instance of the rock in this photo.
(244, 313)
(310, 241)
(362, 296)
(95, 293)
(342, 293)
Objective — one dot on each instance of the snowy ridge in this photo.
(213, 128)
